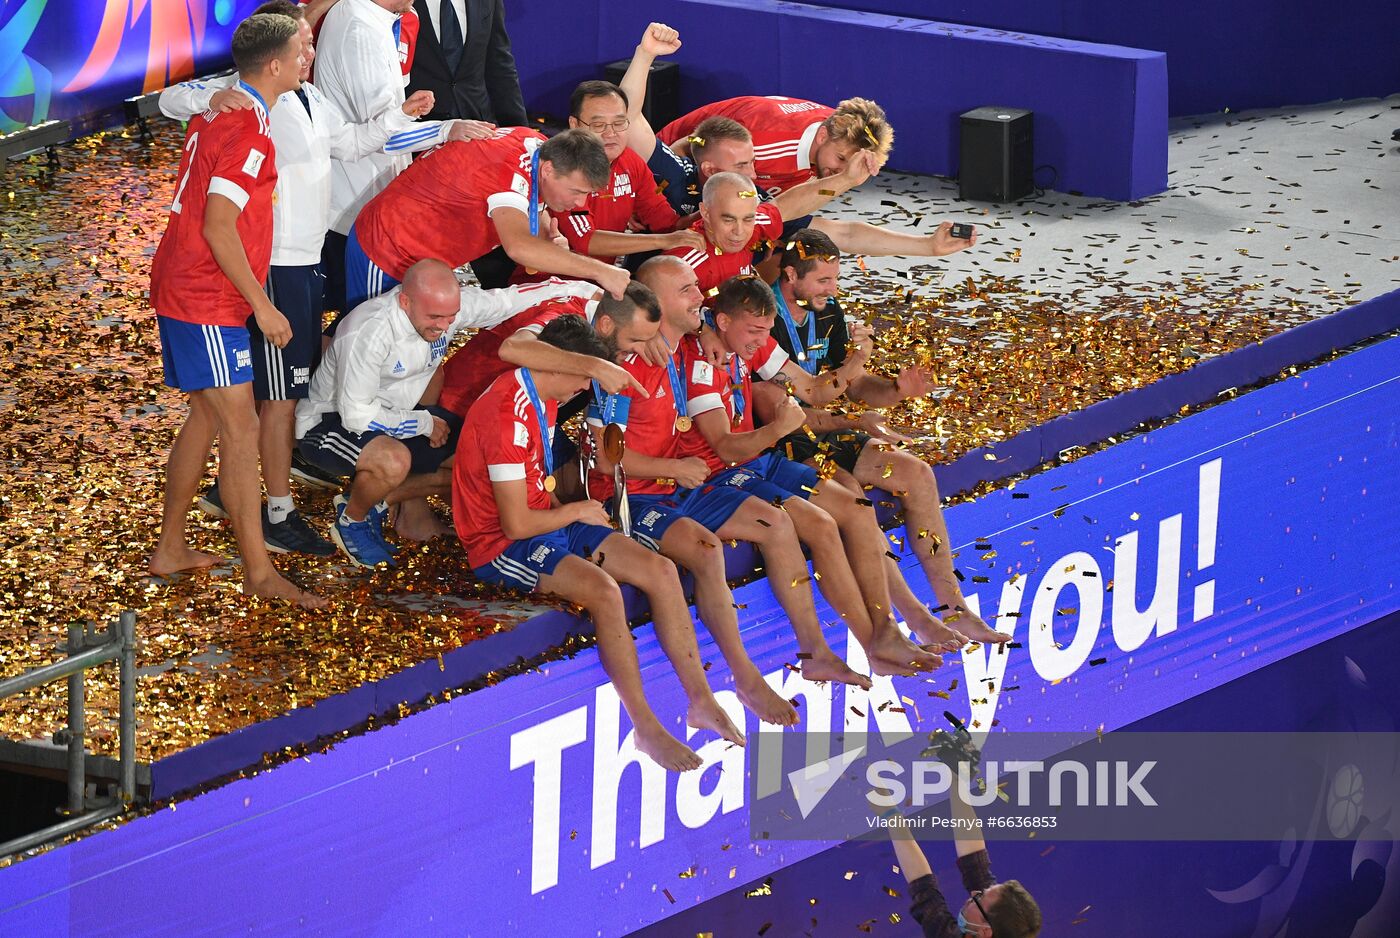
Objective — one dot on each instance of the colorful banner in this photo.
(69, 59)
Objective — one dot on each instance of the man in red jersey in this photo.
(492, 352)
(855, 142)
(206, 279)
(517, 534)
(462, 200)
(734, 224)
(675, 511)
(836, 523)
(794, 140)
(603, 227)
(826, 362)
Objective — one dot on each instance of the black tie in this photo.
(450, 34)
(304, 103)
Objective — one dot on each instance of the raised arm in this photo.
(657, 39)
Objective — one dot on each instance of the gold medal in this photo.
(549, 483)
(683, 423)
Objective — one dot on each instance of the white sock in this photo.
(279, 507)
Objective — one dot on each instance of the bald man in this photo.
(365, 414)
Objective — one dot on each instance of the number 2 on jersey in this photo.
(190, 144)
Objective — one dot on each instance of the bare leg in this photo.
(579, 581)
(772, 530)
(242, 495)
(913, 481)
(416, 519)
(866, 547)
(382, 467)
(276, 432)
(629, 562)
(916, 615)
(183, 470)
(691, 546)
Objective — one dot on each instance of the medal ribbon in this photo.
(678, 390)
(529, 382)
(803, 353)
(535, 193)
(736, 388)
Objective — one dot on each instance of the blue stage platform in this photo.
(1270, 522)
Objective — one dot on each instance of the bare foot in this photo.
(709, 715)
(276, 586)
(665, 750)
(936, 634)
(825, 666)
(974, 628)
(166, 563)
(892, 653)
(763, 702)
(415, 520)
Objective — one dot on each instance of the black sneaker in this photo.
(211, 504)
(292, 535)
(310, 474)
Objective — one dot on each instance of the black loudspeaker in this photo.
(663, 102)
(996, 155)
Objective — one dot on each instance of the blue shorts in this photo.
(709, 506)
(521, 564)
(198, 356)
(284, 374)
(772, 477)
(331, 446)
(363, 277)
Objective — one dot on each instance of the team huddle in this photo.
(677, 290)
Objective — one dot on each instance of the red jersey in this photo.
(651, 426)
(469, 370)
(631, 192)
(712, 266)
(783, 131)
(500, 442)
(229, 155)
(441, 205)
(711, 388)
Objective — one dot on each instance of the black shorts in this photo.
(284, 374)
(844, 446)
(331, 447)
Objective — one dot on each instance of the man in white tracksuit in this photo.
(365, 418)
(307, 133)
(361, 73)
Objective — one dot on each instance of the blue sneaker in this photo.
(379, 514)
(360, 540)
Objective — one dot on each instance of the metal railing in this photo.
(86, 648)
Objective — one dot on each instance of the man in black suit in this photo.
(464, 58)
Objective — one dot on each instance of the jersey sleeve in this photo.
(506, 449)
(243, 156)
(183, 101)
(486, 309)
(577, 229)
(769, 359)
(357, 391)
(768, 223)
(509, 188)
(704, 384)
